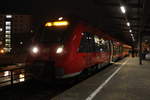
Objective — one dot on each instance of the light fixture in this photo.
(21, 78)
(131, 34)
(1, 29)
(133, 39)
(123, 9)
(128, 24)
(8, 16)
(60, 18)
(6, 73)
(2, 51)
(130, 31)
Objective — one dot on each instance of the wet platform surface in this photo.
(125, 80)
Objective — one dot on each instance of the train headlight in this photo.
(35, 50)
(60, 49)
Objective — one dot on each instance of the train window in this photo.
(106, 47)
(117, 49)
(101, 45)
(120, 49)
(83, 44)
(92, 43)
(87, 42)
(98, 44)
(52, 35)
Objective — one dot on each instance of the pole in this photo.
(140, 48)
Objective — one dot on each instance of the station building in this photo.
(15, 31)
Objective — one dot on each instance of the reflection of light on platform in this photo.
(118, 63)
(21, 78)
(6, 73)
(112, 62)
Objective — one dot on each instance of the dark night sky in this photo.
(40, 9)
(44, 5)
(85, 8)
(15, 6)
(43, 9)
(48, 7)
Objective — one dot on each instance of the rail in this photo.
(12, 74)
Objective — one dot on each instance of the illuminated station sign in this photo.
(57, 23)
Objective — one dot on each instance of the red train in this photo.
(64, 48)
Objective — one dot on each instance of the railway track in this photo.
(32, 90)
(35, 90)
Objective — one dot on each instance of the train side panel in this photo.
(83, 50)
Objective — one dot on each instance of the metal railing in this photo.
(12, 74)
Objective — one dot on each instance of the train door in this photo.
(102, 49)
(86, 47)
(114, 51)
(104, 44)
(107, 50)
(121, 51)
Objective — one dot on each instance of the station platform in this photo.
(123, 80)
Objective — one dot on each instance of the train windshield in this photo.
(53, 35)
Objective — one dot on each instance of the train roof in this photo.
(73, 19)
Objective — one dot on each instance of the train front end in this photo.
(48, 52)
